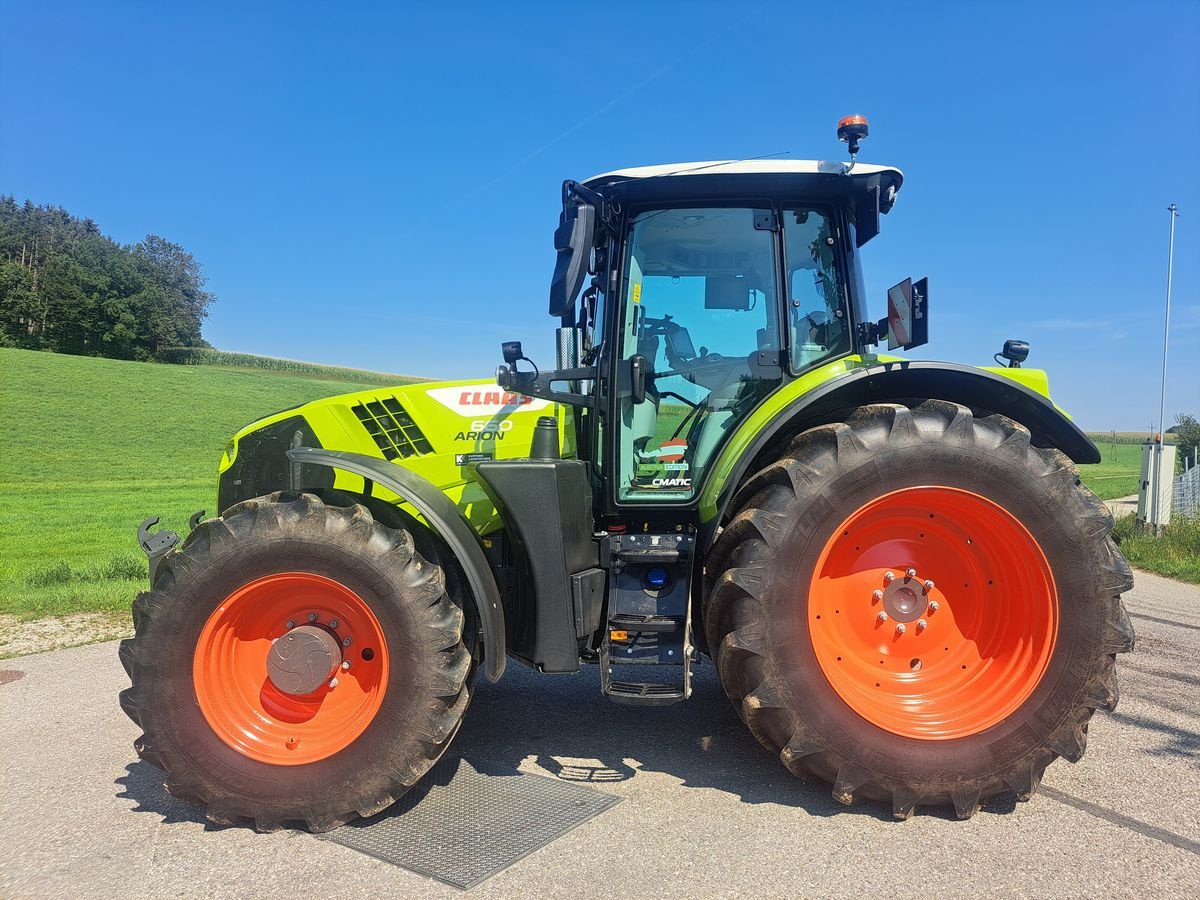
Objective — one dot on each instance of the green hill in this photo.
(90, 447)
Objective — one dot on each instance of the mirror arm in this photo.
(540, 384)
(606, 211)
(872, 332)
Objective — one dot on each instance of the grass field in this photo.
(90, 447)
(1117, 474)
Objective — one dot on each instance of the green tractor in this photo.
(893, 566)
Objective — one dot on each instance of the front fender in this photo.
(783, 415)
(443, 517)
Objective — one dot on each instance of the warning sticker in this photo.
(637, 292)
(466, 459)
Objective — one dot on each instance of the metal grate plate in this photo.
(461, 825)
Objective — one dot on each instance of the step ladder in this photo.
(648, 625)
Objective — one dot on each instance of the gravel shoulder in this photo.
(20, 637)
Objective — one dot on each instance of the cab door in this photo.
(701, 305)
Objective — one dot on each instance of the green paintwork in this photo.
(1034, 379)
(446, 411)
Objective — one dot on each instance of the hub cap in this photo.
(286, 693)
(932, 613)
(303, 660)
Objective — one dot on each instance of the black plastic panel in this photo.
(546, 505)
(262, 465)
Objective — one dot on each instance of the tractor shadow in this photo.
(571, 732)
(143, 784)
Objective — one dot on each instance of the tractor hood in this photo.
(440, 430)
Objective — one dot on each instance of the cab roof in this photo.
(869, 190)
(748, 167)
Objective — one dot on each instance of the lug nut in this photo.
(929, 585)
(911, 573)
(882, 617)
(291, 623)
(900, 629)
(346, 642)
(332, 683)
(877, 596)
(312, 617)
(889, 577)
(934, 606)
(346, 664)
(922, 624)
(333, 623)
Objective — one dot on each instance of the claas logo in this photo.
(492, 398)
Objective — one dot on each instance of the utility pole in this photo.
(1162, 397)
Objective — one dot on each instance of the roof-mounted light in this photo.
(851, 130)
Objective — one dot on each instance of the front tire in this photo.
(919, 606)
(255, 731)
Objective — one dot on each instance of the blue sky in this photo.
(376, 186)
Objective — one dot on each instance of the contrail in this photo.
(624, 95)
(595, 114)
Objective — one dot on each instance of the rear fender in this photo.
(444, 518)
(895, 381)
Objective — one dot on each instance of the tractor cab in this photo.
(712, 285)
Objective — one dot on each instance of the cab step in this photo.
(649, 618)
(634, 693)
(628, 622)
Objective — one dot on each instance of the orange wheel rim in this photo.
(933, 613)
(237, 696)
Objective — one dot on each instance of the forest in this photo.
(68, 288)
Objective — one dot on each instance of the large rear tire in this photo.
(919, 606)
(250, 732)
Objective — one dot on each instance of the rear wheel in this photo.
(296, 663)
(919, 606)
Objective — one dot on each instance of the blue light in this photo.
(656, 578)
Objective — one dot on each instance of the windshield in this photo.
(700, 302)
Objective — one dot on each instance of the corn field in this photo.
(199, 356)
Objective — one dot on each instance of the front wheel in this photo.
(296, 662)
(920, 606)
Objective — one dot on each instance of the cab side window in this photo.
(816, 304)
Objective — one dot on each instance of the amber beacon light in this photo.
(851, 130)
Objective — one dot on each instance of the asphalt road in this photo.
(706, 812)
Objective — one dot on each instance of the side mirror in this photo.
(908, 314)
(573, 241)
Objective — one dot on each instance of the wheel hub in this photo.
(303, 660)
(905, 599)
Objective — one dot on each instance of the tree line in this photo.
(66, 287)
